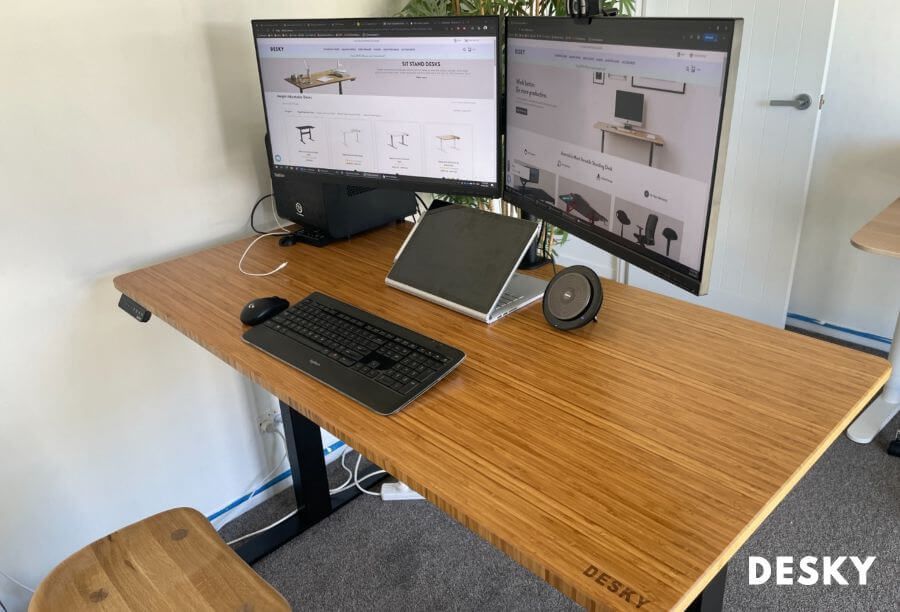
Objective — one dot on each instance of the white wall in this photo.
(129, 132)
(856, 173)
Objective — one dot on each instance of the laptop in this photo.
(466, 259)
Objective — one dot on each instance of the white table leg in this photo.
(882, 410)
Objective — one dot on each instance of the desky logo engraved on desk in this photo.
(616, 586)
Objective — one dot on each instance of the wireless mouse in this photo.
(261, 309)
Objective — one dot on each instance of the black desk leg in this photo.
(310, 484)
(651, 155)
(713, 596)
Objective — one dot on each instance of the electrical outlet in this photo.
(398, 491)
(266, 424)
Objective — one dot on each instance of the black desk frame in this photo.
(310, 485)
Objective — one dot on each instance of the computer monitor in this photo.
(398, 103)
(630, 107)
(649, 195)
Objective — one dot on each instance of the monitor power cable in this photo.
(253, 213)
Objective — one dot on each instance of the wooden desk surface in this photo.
(882, 234)
(646, 447)
(632, 133)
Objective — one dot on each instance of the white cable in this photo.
(353, 484)
(277, 220)
(283, 231)
(259, 531)
(247, 250)
(14, 581)
(343, 486)
(356, 478)
(254, 489)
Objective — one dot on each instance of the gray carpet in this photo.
(410, 556)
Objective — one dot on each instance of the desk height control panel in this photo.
(134, 309)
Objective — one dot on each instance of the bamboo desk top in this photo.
(649, 445)
(882, 234)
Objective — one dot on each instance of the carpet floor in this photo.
(410, 556)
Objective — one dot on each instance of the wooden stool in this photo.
(173, 560)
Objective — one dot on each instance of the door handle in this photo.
(801, 102)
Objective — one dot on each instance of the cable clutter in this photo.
(353, 480)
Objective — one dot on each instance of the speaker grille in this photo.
(569, 297)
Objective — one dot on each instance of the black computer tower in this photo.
(342, 210)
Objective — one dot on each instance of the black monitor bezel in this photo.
(402, 182)
(677, 274)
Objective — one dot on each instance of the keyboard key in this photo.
(305, 341)
(423, 374)
(408, 388)
(385, 380)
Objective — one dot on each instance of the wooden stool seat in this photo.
(173, 560)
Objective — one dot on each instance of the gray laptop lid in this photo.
(463, 255)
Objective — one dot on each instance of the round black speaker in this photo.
(572, 298)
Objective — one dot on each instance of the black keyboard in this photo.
(380, 364)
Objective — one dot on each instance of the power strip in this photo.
(397, 491)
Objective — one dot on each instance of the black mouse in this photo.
(261, 309)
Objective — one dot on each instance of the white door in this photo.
(784, 52)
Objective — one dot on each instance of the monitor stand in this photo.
(532, 260)
(307, 234)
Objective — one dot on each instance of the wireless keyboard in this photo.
(380, 364)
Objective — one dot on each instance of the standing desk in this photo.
(354, 131)
(451, 137)
(655, 140)
(881, 235)
(306, 130)
(624, 462)
(401, 135)
(317, 79)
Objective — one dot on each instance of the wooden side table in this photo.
(881, 235)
